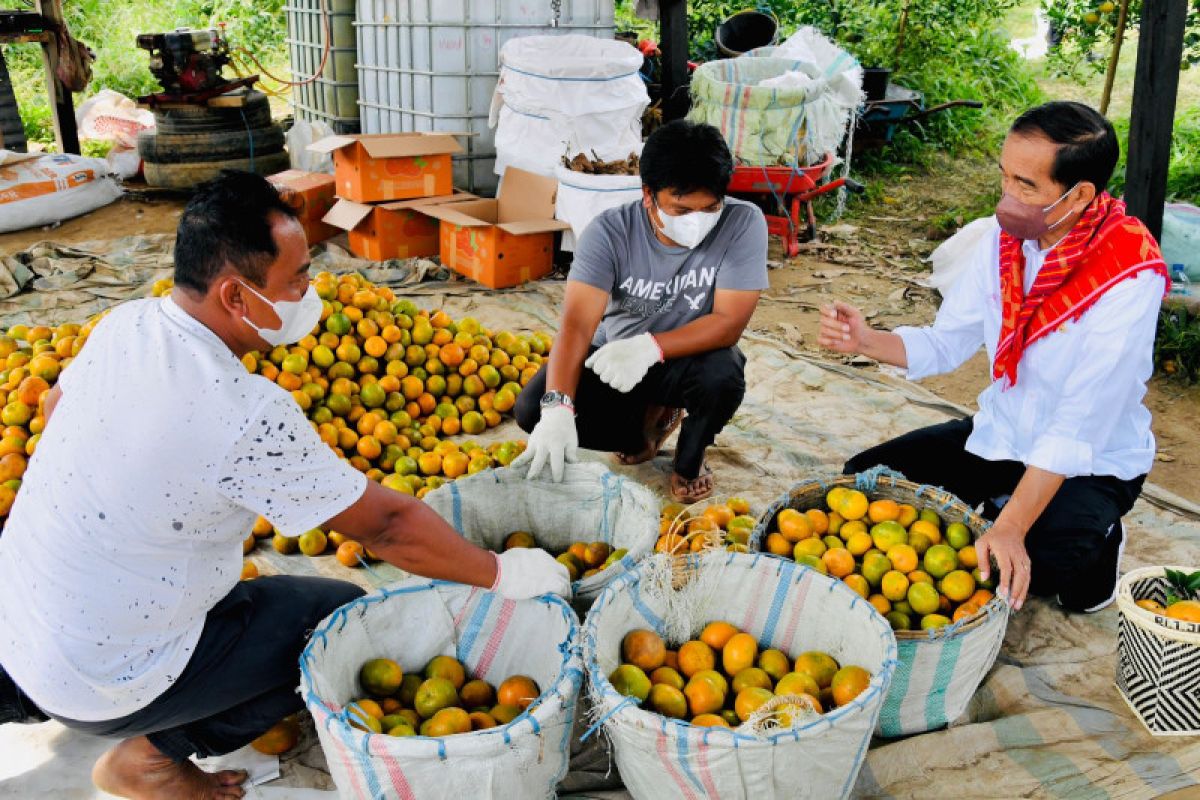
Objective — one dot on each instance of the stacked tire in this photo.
(193, 143)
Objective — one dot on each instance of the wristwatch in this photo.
(552, 398)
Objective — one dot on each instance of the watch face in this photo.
(552, 398)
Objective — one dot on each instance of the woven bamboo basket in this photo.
(939, 669)
(1158, 658)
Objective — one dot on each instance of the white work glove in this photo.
(623, 364)
(554, 440)
(523, 572)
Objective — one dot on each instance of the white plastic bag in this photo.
(303, 133)
(783, 605)
(43, 189)
(590, 504)
(411, 622)
(1181, 241)
(111, 116)
(953, 256)
(564, 95)
(582, 197)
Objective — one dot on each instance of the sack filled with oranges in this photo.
(426, 688)
(695, 528)
(907, 551)
(755, 676)
(590, 506)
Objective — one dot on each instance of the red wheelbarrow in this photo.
(784, 193)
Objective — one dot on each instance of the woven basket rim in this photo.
(1148, 620)
(974, 522)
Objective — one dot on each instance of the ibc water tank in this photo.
(432, 65)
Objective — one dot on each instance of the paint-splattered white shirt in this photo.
(128, 526)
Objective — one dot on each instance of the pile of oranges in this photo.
(723, 677)
(724, 525)
(31, 359)
(901, 560)
(582, 559)
(441, 701)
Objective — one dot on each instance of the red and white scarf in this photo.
(1105, 247)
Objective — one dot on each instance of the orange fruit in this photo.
(704, 696)
(958, 585)
(883, 511)
(671, 660)
(838, 561)
(433, 695)
(903, 557)
(739, 653)
(940, 560)
(447, 722)
(981, 597)
(793, 525)
(848, 683)
(477, 694)
(750, 677)
(29, 391)
(709, 721)
(859, 584)
(821, 667)
(519, 691)
(249, 571)
(721, 515)
(964, 611)
(894, 586)
(859, 543)
(750, 700)
(349, 554)
(1150, 605)
(908, 515)
(279, 738)
(631, 682)
(968, 558)
(668, 701)
(481, 720)
(380, 677)
(853, 505)
(449, 668)
(717, 634)
(818, 520)
(881, 603)
(777, 545)
(668, 676)
(1186, 610)
(797, 683)
(775, 663)
(696, 656)
(644, 649)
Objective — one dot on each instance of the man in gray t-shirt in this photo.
(656, 302)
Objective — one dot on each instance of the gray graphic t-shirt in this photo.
(655, 288)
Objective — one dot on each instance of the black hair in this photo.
(687, 157)
(228, 223)
(1087, 144)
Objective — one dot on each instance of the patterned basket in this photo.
(939, 669)
(1158, 659)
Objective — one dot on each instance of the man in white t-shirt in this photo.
(1064, 294)
(121, 613)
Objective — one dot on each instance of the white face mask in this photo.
(297, 318)
(688, 229)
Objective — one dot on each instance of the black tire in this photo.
(187, 176)
(12, 132)
(256, 113)
(177, 148)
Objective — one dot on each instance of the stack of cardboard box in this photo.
(394, 196)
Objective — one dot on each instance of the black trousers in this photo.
(243, 675)
(709, 386)
(1074, 540)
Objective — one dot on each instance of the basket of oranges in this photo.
(596, 522)
(907, 550)
(1158, 648)
(751, 678)
(437, 690)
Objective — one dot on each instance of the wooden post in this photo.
(674, 46)
(1115, 58)
(65, 133)
(1155, 85)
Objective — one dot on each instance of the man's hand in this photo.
(1004, 543)
(554, 440)
(843, 329)
(522, 573)
(623, 364)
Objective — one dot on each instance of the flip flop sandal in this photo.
(705, 471)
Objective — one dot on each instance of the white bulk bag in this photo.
(40, 190)
(582, 197)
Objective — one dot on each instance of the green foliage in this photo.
(1183, 585)
(1087, 28)
(110, 29)
(1177, 345)
(1183, 180)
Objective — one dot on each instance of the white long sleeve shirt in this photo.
(1076, 408)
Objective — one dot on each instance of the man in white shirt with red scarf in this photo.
(1064, 293)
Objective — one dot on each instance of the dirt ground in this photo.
(872, 257)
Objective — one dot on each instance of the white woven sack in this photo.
(1158, 658)
(42, 190)
(590, 504)
(411, 622)
(582, 197)
(563, 95)
(783, 605)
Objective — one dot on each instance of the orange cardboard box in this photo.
(506, 241)
(312, 195)
(371, 168)
(390, 230)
